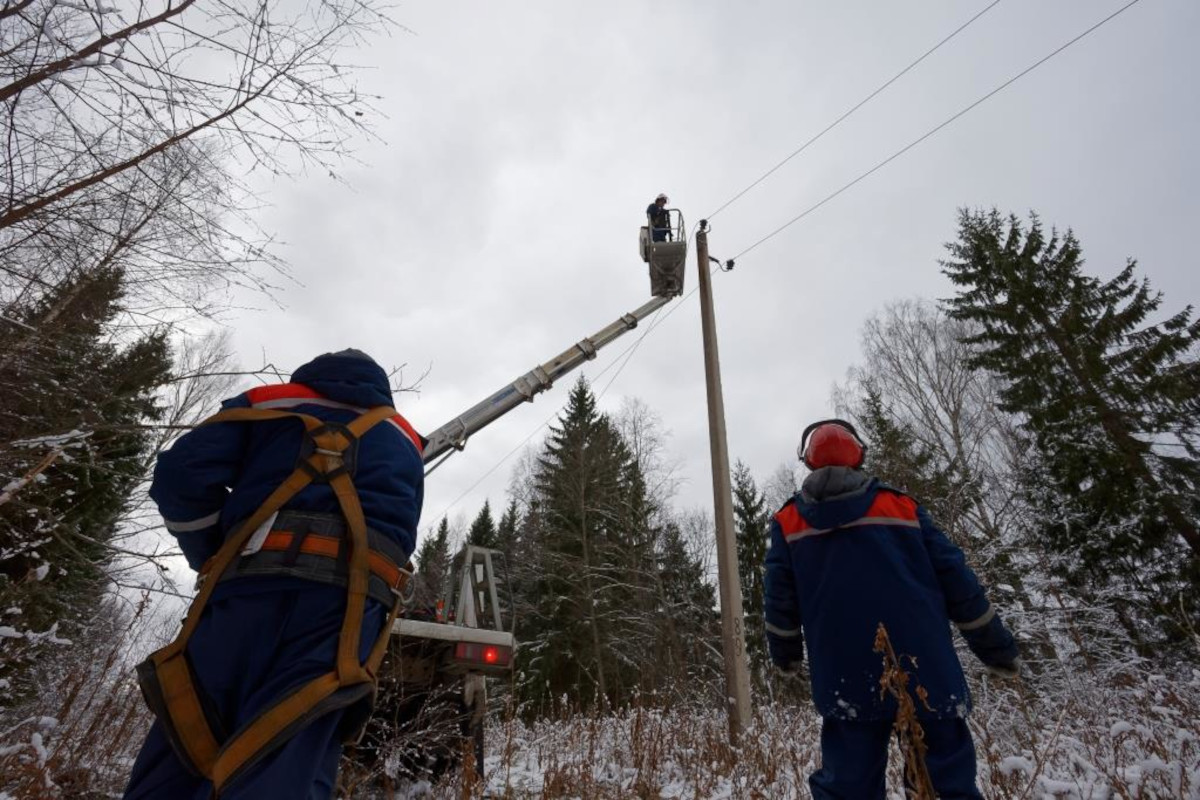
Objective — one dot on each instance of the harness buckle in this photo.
(337, 448)
(406, 589)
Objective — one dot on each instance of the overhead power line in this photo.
(657, 321)
(916, 142)
(626, 354)
(859, 105)
(632, 351)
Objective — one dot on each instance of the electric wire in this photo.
(658, 319)
(631, 351)
(859, 105)
(654, 322)
(916, 142)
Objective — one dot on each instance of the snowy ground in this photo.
(1134, 741)
(1136, 736)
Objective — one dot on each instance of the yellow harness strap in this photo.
(221, 761)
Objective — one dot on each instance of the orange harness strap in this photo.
(184, 709)
(316, 544)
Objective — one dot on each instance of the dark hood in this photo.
(832, 496)
(831, 483)
(348, 376)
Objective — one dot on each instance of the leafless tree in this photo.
(782, 484)
(132, 128)
(206, 375)
(131, 132)
(642, 430)
(913, 355)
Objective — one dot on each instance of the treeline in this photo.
(1047, 418)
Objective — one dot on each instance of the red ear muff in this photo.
(832, 443)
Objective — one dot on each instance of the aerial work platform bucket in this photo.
(665, 250)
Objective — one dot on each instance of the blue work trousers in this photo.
(305, 768)
(854, 760)
(251, 648)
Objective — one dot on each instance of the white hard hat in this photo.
(663, 196)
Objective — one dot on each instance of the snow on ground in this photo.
(1137, 736)
(1137, 740)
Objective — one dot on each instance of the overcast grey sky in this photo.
(496, 223)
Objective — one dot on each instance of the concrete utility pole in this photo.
(733, 640)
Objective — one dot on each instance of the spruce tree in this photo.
(433, 567)
(483, 530)
(633, 574)
(507, 529)
(751, 524)
(73, 400)
(687, 661)
(583, 497)
(509, 571)
(1110, 399)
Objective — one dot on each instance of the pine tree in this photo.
(751, 524)
(73, 401)
(688, 663)
(483, 530)
(433, 567)
(1110, 400)
(507, 529)
(585, 600)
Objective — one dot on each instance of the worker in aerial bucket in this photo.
(666, 261)
(298, 505)
(659, 219)
(847, 553)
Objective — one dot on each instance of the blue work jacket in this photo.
(859, 554)
(219, 474)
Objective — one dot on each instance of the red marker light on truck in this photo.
(488, 655)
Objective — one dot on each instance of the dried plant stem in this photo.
(894, 681)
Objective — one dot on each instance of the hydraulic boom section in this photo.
(454, 434)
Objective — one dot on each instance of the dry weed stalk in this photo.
(87, 724)
(472, 781)
(894, 681)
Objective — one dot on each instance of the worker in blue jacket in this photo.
(273, 620)
(659, 219)
(847, 553)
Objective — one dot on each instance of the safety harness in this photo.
(168, 683)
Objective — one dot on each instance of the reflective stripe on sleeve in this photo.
(188, 526)
(781, 632)
(978, 622)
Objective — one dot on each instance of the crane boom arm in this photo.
(454, 434)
